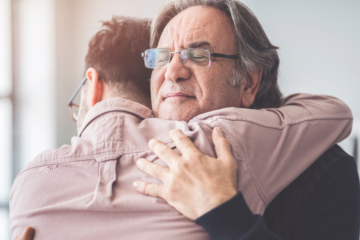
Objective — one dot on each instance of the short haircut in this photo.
(115, 53)
(252, 44)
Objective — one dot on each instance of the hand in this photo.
(194, 183)
(28, 234)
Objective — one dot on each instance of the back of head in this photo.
(115, 52)
(252, 44)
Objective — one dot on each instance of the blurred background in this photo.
(43, 44)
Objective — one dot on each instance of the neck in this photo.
(129, 93)
(139, 98)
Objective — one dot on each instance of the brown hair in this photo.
(252, 44)
(115, 52)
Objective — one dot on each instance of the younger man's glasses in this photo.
(190, 57)
(74, 107)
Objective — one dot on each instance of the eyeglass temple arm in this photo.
(76, 91)
(224, 56)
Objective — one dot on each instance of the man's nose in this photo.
(176, 71)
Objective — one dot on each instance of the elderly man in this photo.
(179, 93)
(228, 27)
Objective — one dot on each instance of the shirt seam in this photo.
(88, 157)
(242, 155)
(277, 126)
(118, 109)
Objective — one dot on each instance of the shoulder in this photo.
(79, 150)
(53, 177)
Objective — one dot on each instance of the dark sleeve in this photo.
(322, 203)
(333, 210)
(234, 220)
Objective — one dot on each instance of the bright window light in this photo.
(5, 149)
(5, 47)
(4, 225)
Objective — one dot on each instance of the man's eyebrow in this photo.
(200, 45)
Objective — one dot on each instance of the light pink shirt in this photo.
(84, 191)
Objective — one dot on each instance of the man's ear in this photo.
(252, 83)
(96, 86)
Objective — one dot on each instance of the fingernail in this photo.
(136, 185)
(152, 142)
(175, 130)
(28, 228)
(218, 130)
(140, 162)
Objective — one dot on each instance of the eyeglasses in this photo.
(74, 108)
(190, 57)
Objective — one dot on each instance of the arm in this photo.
(234, 220)
(322, 203)
(276, 145)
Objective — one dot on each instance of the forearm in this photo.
(277, 145)
(234, 220)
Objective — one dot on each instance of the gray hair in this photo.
(252, 44)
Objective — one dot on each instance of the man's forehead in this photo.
(184, 35)
(194, 25)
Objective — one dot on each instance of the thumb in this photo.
(222, 145)
(28, 234)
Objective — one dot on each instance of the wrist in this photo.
(215, 201)
(231, 220)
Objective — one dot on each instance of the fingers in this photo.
(153, 190)
(222, 145)
(28, 234)
(163, 152)
(153, 169)
(182, 142)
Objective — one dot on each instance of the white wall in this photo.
(319, 44)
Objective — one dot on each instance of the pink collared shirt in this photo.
(84, 191)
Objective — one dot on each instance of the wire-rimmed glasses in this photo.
(190, 57)
(74, 107)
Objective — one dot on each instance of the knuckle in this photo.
(149, 189)
(224, 141)
(180, 166)
(161, 149)
(145, 166)
(143, 187)
(192, 154)
(154, 170)
(181, 137)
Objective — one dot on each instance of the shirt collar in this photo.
(113, 105)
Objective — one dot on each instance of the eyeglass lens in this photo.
(75, 106)
(191, 57)
(75, 111)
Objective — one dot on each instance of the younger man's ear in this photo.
(252, 83)
(96, 86)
